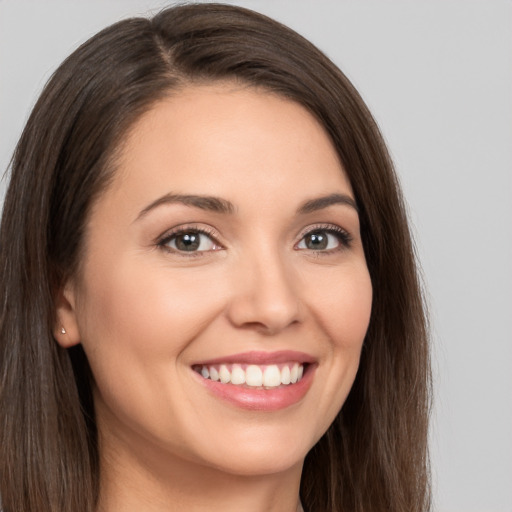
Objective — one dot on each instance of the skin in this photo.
(145, 312)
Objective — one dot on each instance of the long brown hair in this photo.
(374, 456)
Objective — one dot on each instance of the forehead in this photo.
(226, 139)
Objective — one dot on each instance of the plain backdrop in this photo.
(438, 77)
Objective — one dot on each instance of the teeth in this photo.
(272, 376)
(294, 373)
(224, 374)
(214, 374)
(254, 376)
(237, 375)
(285, 375)
(268, 376)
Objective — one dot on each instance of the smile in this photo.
(258, 381)
(252, 375)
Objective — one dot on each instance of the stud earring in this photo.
(62, 330)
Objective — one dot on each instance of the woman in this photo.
(209, 295)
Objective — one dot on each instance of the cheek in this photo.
(136, 322)
(137, 317)
(342, 303)
(342, 308)
(139, 306)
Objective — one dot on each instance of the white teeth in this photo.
(254, 376)
(237, 375)
(268, 376)
(224, 374)
(294, 373)
(272, 376)
(214, 374)
(285, 375)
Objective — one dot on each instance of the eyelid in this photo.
(210, 232)
(345, 237)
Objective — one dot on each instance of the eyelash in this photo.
(341, 234)
(182, 230)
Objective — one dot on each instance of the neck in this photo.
(153, 482)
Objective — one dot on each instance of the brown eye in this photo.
(317, 241)
(190, 241)
(325, 240)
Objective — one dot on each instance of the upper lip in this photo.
(260, 358)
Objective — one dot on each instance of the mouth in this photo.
(258, 380)
(252, 375)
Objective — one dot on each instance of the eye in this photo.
(325, 239)
(189, 240)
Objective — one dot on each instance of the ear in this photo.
(66, 330)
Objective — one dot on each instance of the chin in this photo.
(263, 454)
(260, 465)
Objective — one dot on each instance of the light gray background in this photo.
(438, 77)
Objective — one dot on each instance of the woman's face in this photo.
(227, 247)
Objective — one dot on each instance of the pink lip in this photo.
(257, 399)
(257, 357)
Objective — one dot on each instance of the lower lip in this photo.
(255, 399)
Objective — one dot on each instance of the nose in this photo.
(264, 295)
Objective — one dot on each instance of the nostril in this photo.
(263, 314)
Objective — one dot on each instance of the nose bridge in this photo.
(264, 290)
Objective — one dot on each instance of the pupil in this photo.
(187, 242)
(316, 241)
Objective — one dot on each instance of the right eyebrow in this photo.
(209, 203)
(325, 201)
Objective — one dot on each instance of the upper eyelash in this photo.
(166, 237)
(345, 237)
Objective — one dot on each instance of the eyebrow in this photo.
(218, 205)
(208, 203)
(320, 203)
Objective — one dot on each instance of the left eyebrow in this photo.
(209, 203)
(320, 203)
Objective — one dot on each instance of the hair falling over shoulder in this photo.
(374, 456)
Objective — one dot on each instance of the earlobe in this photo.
(65, 329)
